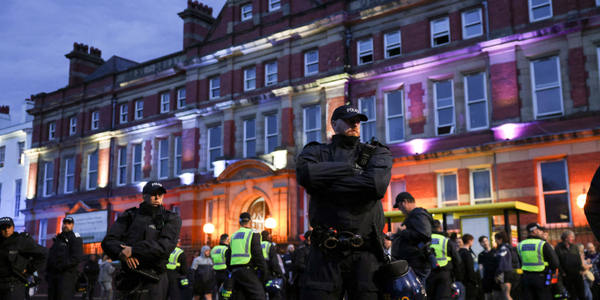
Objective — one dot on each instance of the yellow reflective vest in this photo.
(218, 256)
(532, 255)
(440, 244)
(173, 259)
(266, 246)
(240, 246)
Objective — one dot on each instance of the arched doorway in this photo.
(259, 211)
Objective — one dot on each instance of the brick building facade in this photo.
(479, 102)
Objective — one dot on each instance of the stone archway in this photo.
(259, 210)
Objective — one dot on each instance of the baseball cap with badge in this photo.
(68, 220)
(245, 217)
(153, 186)
(7, 221)
(533, 226)
(346, 112)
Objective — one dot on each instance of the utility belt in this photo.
(331, 240)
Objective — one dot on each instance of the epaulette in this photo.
(77, 234)
(382, 145)
(25, 234)
(312, 144)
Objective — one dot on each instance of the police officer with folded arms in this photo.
(439, 281)
(143, 239)
(65, 254)
(20, 256)
(246, 260)
(221, 256)
(346, 180)
(539, 264)
(273, 269)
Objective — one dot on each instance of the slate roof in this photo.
(114, 65)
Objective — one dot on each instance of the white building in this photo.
(14, 164)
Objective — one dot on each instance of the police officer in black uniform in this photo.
(273, 268)
(346, 180)
(143, 239)
(20, 256)
(65, 254)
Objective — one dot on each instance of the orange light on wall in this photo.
(270, 223)
(581, 199)
(103, 159)
(208, 228)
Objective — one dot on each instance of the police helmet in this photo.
(397, 281)
(455, 291)
(274, 285)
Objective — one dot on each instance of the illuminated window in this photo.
(165, 101)
(250, 138)
(181, 98)
(48, 178)
(271, 137)
(137, 163)
(122, 179)
(92, 173)
(215, 144)
(394, 114)
(481, 185)
(472, 25)
(271, 73)
(440, 32)
(95, 120)
(540, 10)
(247, 12)
(444, 107)
(447, 189)
(393, 46)
(215, 87)
(69, 175)
(365, 51)
(311, 63)
(477, 107)
(124, 113)
(312, 124)
(21, 152)
(72, 125)
(249, 79)
(547, 89)
(554, 195)
(163, 157)
(368, 129)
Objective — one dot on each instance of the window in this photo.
(92, 174)
(250, 138)
(597, 2)
(215, 87)
(554, 185)
(250, 79)
(163, 157)
(447, 189)
(165, 101)
(69, 175)
(2, 156)
(214, 145)
(270, 133)
(396, 187)
(124, 110)
(21, 152)
(51, 131)
(311, 63)
(271, 73)
(472, 25)
(18, 188)
(0, 192)
(477, 107)
(48, 174)
(95, 120)
(365, 51)
(247, 12)
(440, 32)
(209, 211)
(43, 227)
(368, 129)
(394, 114)
(540, 10)
(312, 124)
(122, 179)
(181, 98)
(392, 43)
(481, 185)
(139, 109)
(137, 163)
(176, 209)
(72, 125)
(547, 90)
(274, 5)
(444, 107)
(178, 155)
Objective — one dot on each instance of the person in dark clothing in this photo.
(143, 239)
(413, 236)
(570, 265)
(592, 205)
(177, 270)
(299, 259)
(471, 278)
(504, 274)
(539, 260)
(246, 262)
(204, 275)
(64, 257)
(346, 180)
(487, 267)
(221, 256)
(270, 255)
(20, 257)
(439, 281)
(91, 269)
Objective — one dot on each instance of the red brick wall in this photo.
(229, 138)
(519, 11)
(103, 159)
(32, 181)
(106, 117)
(417, 105)
(578, 77)
(455, 26)
(59, 127)
(297, 65)
(463, 182)
(147, 158)
(514, 175)
(190, 148)
(226, 83)
(332, 104)
(505, 90)
(193, 91)
(500, 14)
(283, 68)
(151, 105)
(287, 127)
(422, 185)
(416, 36)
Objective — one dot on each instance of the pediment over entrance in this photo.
(245, 169)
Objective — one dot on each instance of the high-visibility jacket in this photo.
(266, 247)
(174, 259)
(240, 246)
(532, 255)
(440, 244)
(218, 256)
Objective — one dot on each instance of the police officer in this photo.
(413, 238)
(346, 180)
(20, 257)
(539, 263)
(176, 272)
(64, 257)
(246, 254)
(143, 239)
(439, 282)
(299, 260)
(221, 256)
(271, 259)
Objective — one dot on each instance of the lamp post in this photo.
(270, 223)
(208, 228)
(581, 199)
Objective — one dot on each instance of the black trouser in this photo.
(220, 277)
(534, 286)
(439, 285)
(16, 292)
(61, 286)
(92, 280)
(173, 292)
(247, 285)
(574, 285)
(152, 290)
(330, 275)
(471, 290)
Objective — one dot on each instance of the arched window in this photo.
(258, 210)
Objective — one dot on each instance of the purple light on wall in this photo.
(187, 178)
(418, 146)
(508, 131)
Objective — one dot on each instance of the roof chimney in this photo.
(4, 116)
(83, 63)
(197, 20)
(27, 105)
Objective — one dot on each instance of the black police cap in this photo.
(346, 112)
